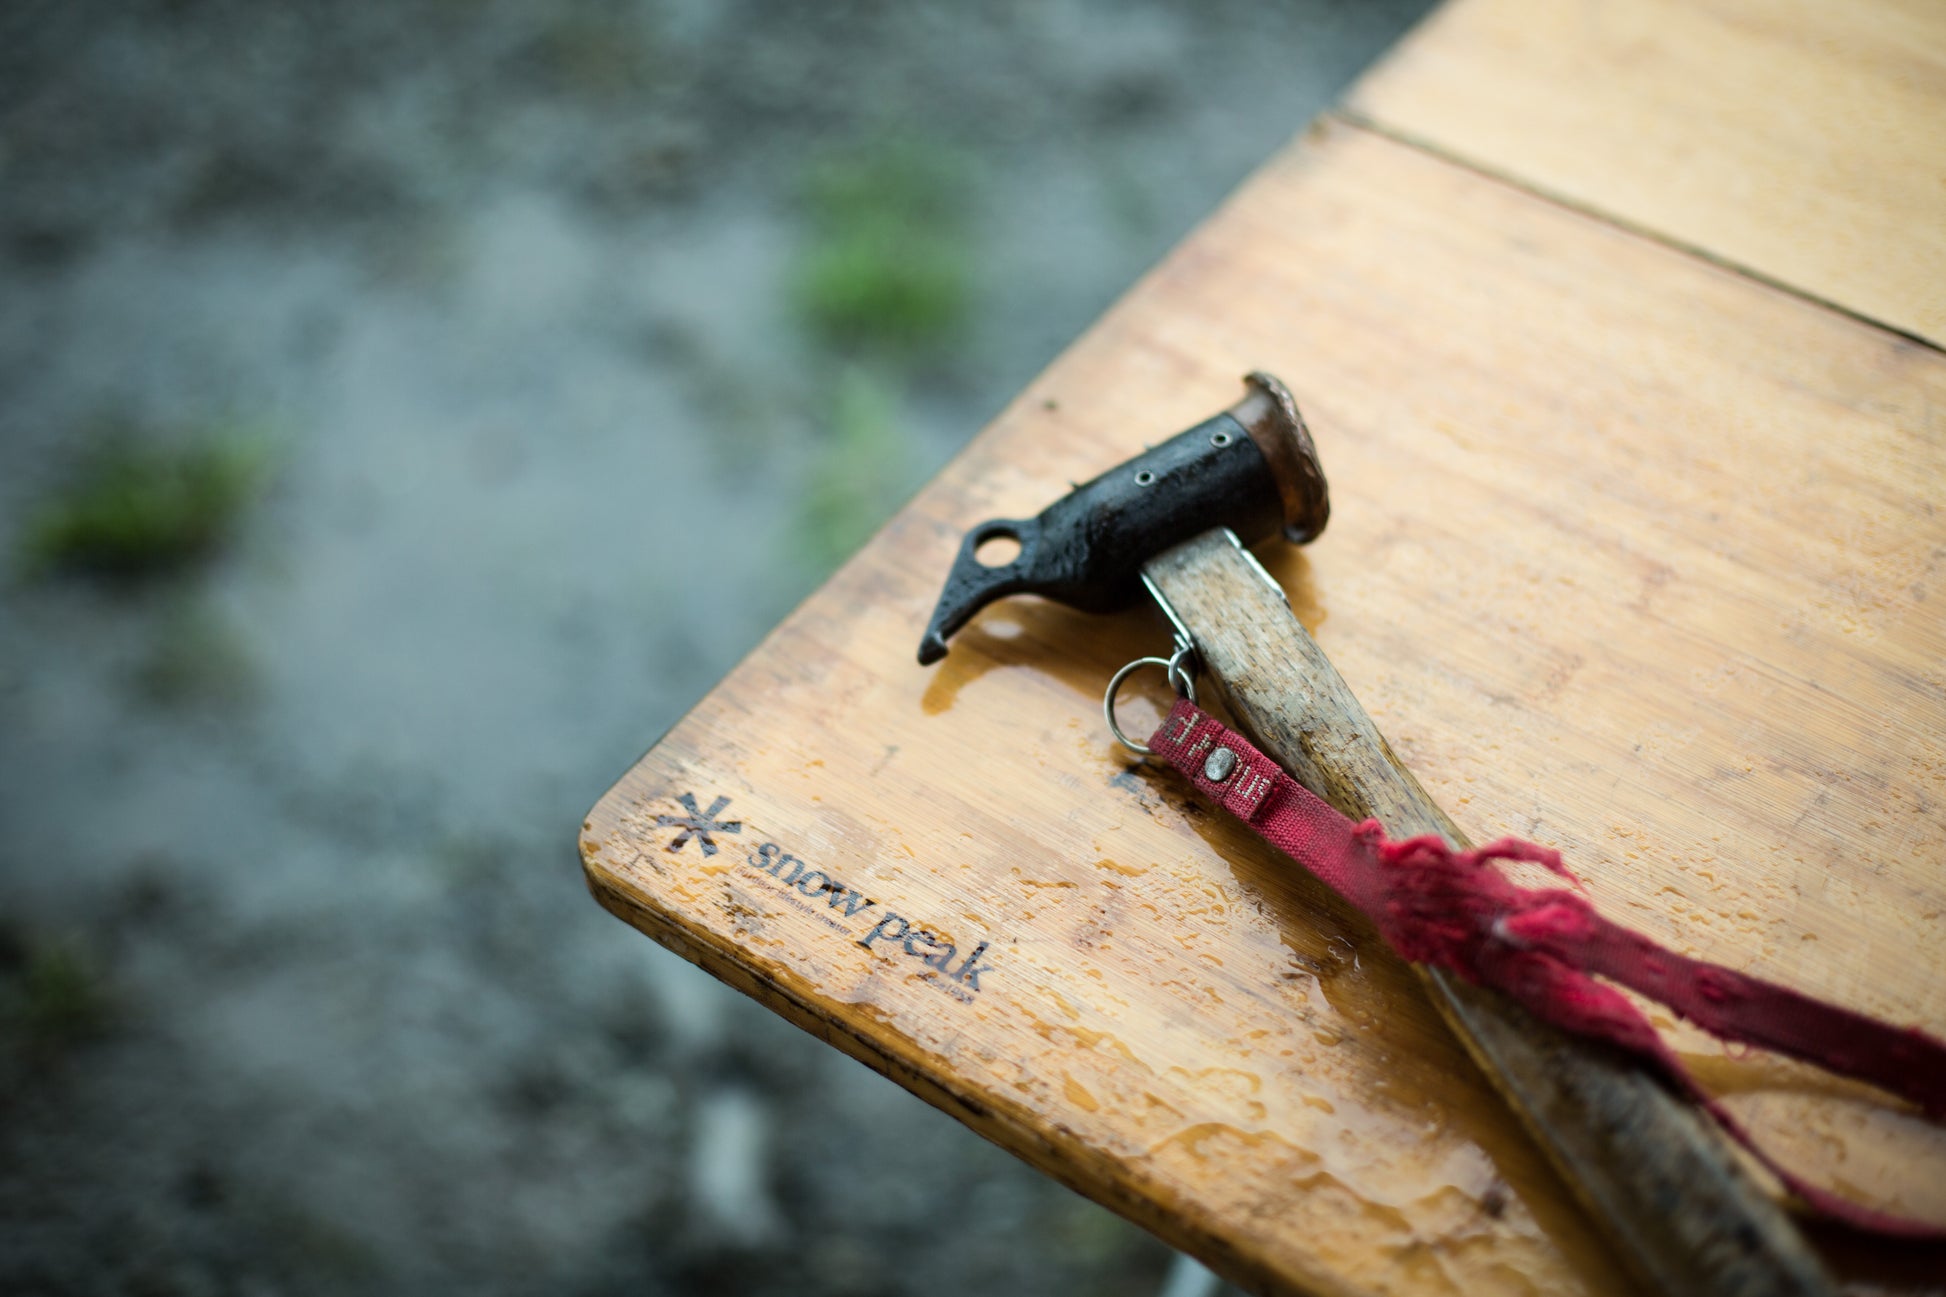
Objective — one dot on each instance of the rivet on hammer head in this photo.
(1221, 762)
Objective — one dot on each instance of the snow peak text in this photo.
(891, 935)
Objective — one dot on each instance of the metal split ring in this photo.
(1182, 678)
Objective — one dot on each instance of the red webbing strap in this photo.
(1547, 947)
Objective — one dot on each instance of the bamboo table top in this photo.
(1635, 551)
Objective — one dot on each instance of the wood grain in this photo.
(1655, 1176)
(1801, 139)
(1629, 554)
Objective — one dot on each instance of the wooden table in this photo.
(1618, 327)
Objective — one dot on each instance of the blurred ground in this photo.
(408, 409)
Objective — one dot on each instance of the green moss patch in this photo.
(136, 507)
(885, 265)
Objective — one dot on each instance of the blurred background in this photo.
(407, 409)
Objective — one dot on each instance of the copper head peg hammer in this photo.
(1667, 1189)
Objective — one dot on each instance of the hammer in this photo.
(1175, 521)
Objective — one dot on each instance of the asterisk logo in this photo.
(699, 823)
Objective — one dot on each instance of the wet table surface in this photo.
(1635, 551)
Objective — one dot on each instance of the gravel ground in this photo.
(556, 338)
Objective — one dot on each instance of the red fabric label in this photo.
(1548, 948)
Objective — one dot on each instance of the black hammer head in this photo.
(1252, 469)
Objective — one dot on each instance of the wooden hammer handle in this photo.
(1654, 1173)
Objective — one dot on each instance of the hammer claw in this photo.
(973, 584)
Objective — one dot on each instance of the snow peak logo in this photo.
(698, 824)
(846, 909)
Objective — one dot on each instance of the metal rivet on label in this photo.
(1221, 762)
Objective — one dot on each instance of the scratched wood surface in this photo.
(1629, 554)
(1802, 139)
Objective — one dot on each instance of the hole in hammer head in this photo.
(998, 550)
